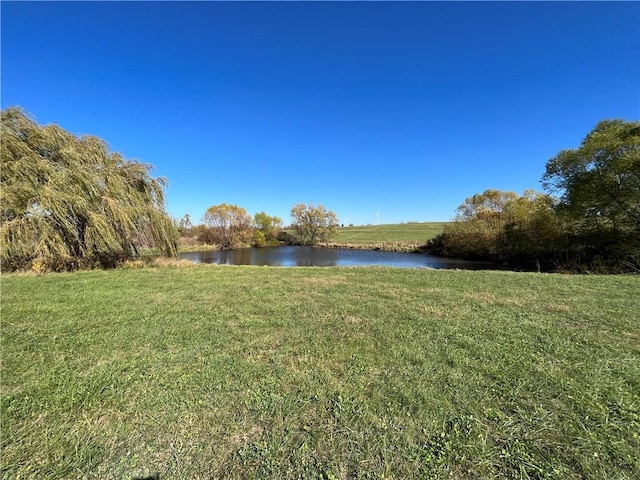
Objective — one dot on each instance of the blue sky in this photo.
(406, 108)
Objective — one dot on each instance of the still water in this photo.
(294, 256)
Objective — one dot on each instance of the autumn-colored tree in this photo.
(266, 229)
(479, 227)
(231, 226)
(68, 202)
(489, 207)
(504, 226)
(534, 232)
(313, 224)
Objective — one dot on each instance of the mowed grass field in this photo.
(334, 373)
(403, 233)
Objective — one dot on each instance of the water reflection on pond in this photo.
(295, 256)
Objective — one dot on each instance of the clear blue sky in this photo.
(403, 107)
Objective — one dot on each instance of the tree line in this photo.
(230, 226)
(588, 219)
(68, 202)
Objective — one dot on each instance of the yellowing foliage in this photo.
(68, 202)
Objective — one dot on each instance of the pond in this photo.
(295, 256)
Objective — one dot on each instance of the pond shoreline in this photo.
(381, 246)
(392, 247)
(323, 256)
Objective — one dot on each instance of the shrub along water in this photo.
(593, 223)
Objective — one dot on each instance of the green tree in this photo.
(231, 226)
(313, 224)
(598, 185)
(599, 182)
(68, 202)
(266, 228)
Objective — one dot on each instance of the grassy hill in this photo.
(409, 235)
(259, 372)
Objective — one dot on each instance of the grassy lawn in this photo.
(404, 233)
(258, 372)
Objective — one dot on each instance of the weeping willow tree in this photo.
(68, 202)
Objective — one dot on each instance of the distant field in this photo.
(412, 233)
(333, 373)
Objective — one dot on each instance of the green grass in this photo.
(405, 233)
(394, 237)
(258, 372)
